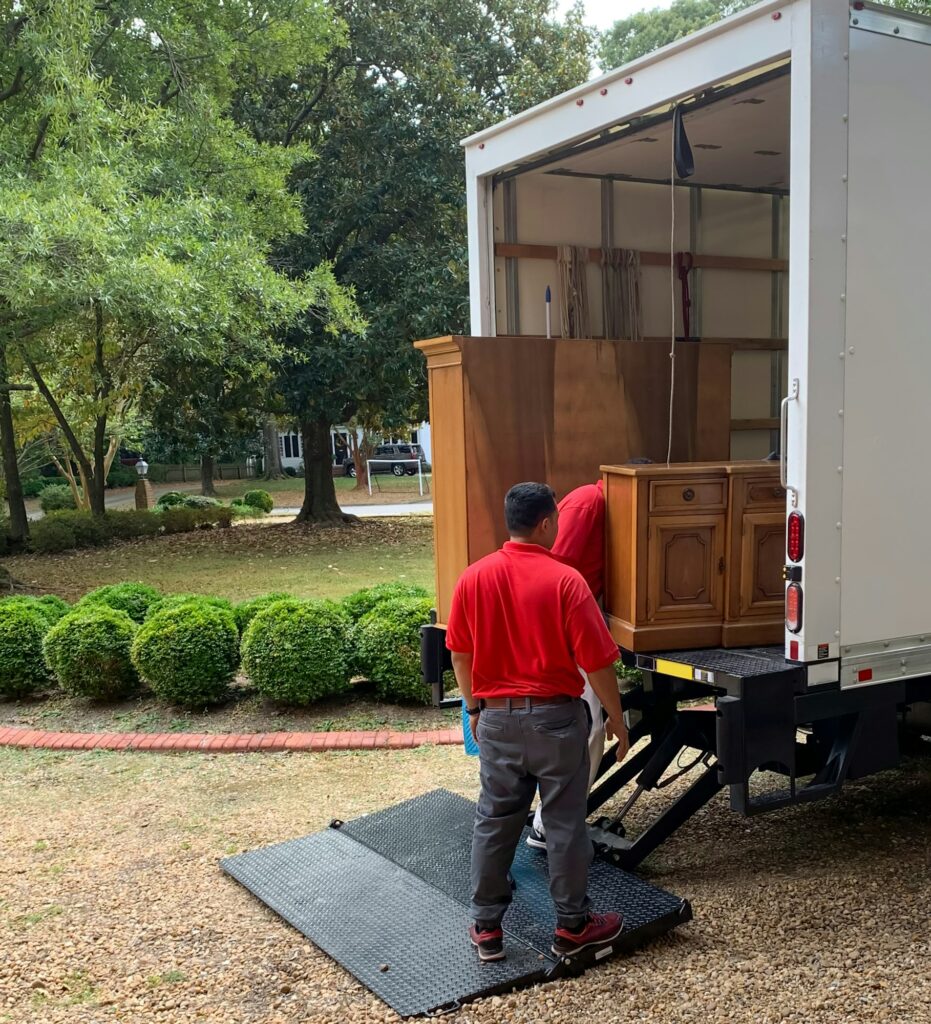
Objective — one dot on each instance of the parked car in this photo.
(385, 453)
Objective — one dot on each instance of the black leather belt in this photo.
(527, 702)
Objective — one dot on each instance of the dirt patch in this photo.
(114, 909)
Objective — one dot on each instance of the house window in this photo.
(281, 445)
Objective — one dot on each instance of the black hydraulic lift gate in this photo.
(387, 897)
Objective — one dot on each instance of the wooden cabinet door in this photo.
(762, 556)
(685, 568)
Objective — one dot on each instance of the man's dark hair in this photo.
(526, 505)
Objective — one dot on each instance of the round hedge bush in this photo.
(170, 499)
(22, 664)
(387, 648)
(133, 598)
(88, 651)
(259, 499)
(188, 655)
(296, 651)
(364, 601)
(49, 605)
(246, 611)
(183, 600)
(57, 497)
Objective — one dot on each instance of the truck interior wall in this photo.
(557, 209)
(886, 542)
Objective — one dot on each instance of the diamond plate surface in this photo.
(368, 913)
(431, 837)
(744, 663)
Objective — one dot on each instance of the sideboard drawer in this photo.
(684, 495)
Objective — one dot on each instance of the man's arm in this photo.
(604, 683)
(462, 669)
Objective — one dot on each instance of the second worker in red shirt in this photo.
(521, 625)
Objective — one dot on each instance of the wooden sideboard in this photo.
(694, 555)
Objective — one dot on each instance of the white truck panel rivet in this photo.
(846, 56)
(896, 30)
(841, 356)
(843, 177)
(837, 579)
(903, 662)
(837, 525)
(843, 296)
(851, 350)
(846, 649)
(836, 632)
(844, 118)
(843, 238)
(840, 469)
(840, 412)
(885, 643)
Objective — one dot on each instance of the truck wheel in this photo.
(397, 469)
(350, 469)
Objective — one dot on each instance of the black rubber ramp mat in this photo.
(386, 896)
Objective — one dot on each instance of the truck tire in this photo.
(397, 469)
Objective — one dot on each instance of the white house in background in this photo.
(292, 450)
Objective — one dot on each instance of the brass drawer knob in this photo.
(688, 494)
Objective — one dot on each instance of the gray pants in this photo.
(520, 749)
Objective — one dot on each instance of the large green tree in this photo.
(648, 30)
(384, 198)
(137, 218)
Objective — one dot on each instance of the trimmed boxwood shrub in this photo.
(170, 499)
(133, 598)
(183, 600)
(52, 534)
(33, 486)
(133, 523)
(188, 655)
(49, 605)
(259, 499)
(295, 651)
(363, 601)
(56, 497)
(90, 531)
(89, 653)
(387, 648)
(22, 665)
(246, 611)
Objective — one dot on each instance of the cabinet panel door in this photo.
(762, 556)
(685, 567)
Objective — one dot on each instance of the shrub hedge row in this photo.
(188, 648)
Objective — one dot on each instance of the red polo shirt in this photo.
(530, 622)
(580, 541)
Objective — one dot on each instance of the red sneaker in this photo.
(597, 930)
(488, 941)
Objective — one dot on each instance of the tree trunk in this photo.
(361, 450)
(207, 467)
(98, 482)
(272, 453)
(320, 504)
(19, 521)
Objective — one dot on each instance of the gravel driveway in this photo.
(112, 908)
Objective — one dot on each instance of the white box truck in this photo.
(799, 234)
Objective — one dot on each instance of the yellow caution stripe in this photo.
(673, 668)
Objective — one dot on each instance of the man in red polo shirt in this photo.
(521, 625)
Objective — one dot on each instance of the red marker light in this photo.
(793, 607)
(864, 675)
(795, 537)
(793, 650)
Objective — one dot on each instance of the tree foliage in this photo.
(384, 199)
(136, 217)
(648, 30)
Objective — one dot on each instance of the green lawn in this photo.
(289, 493)
(248, 560)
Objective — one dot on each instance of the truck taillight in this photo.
(795, 537)
(794, 607)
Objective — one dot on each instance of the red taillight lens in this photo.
(795, 536)
(793, 607)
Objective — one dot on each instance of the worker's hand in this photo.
(616, 729)
(473, 725)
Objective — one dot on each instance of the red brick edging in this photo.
(226, 743)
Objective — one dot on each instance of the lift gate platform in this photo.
(387, 897)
